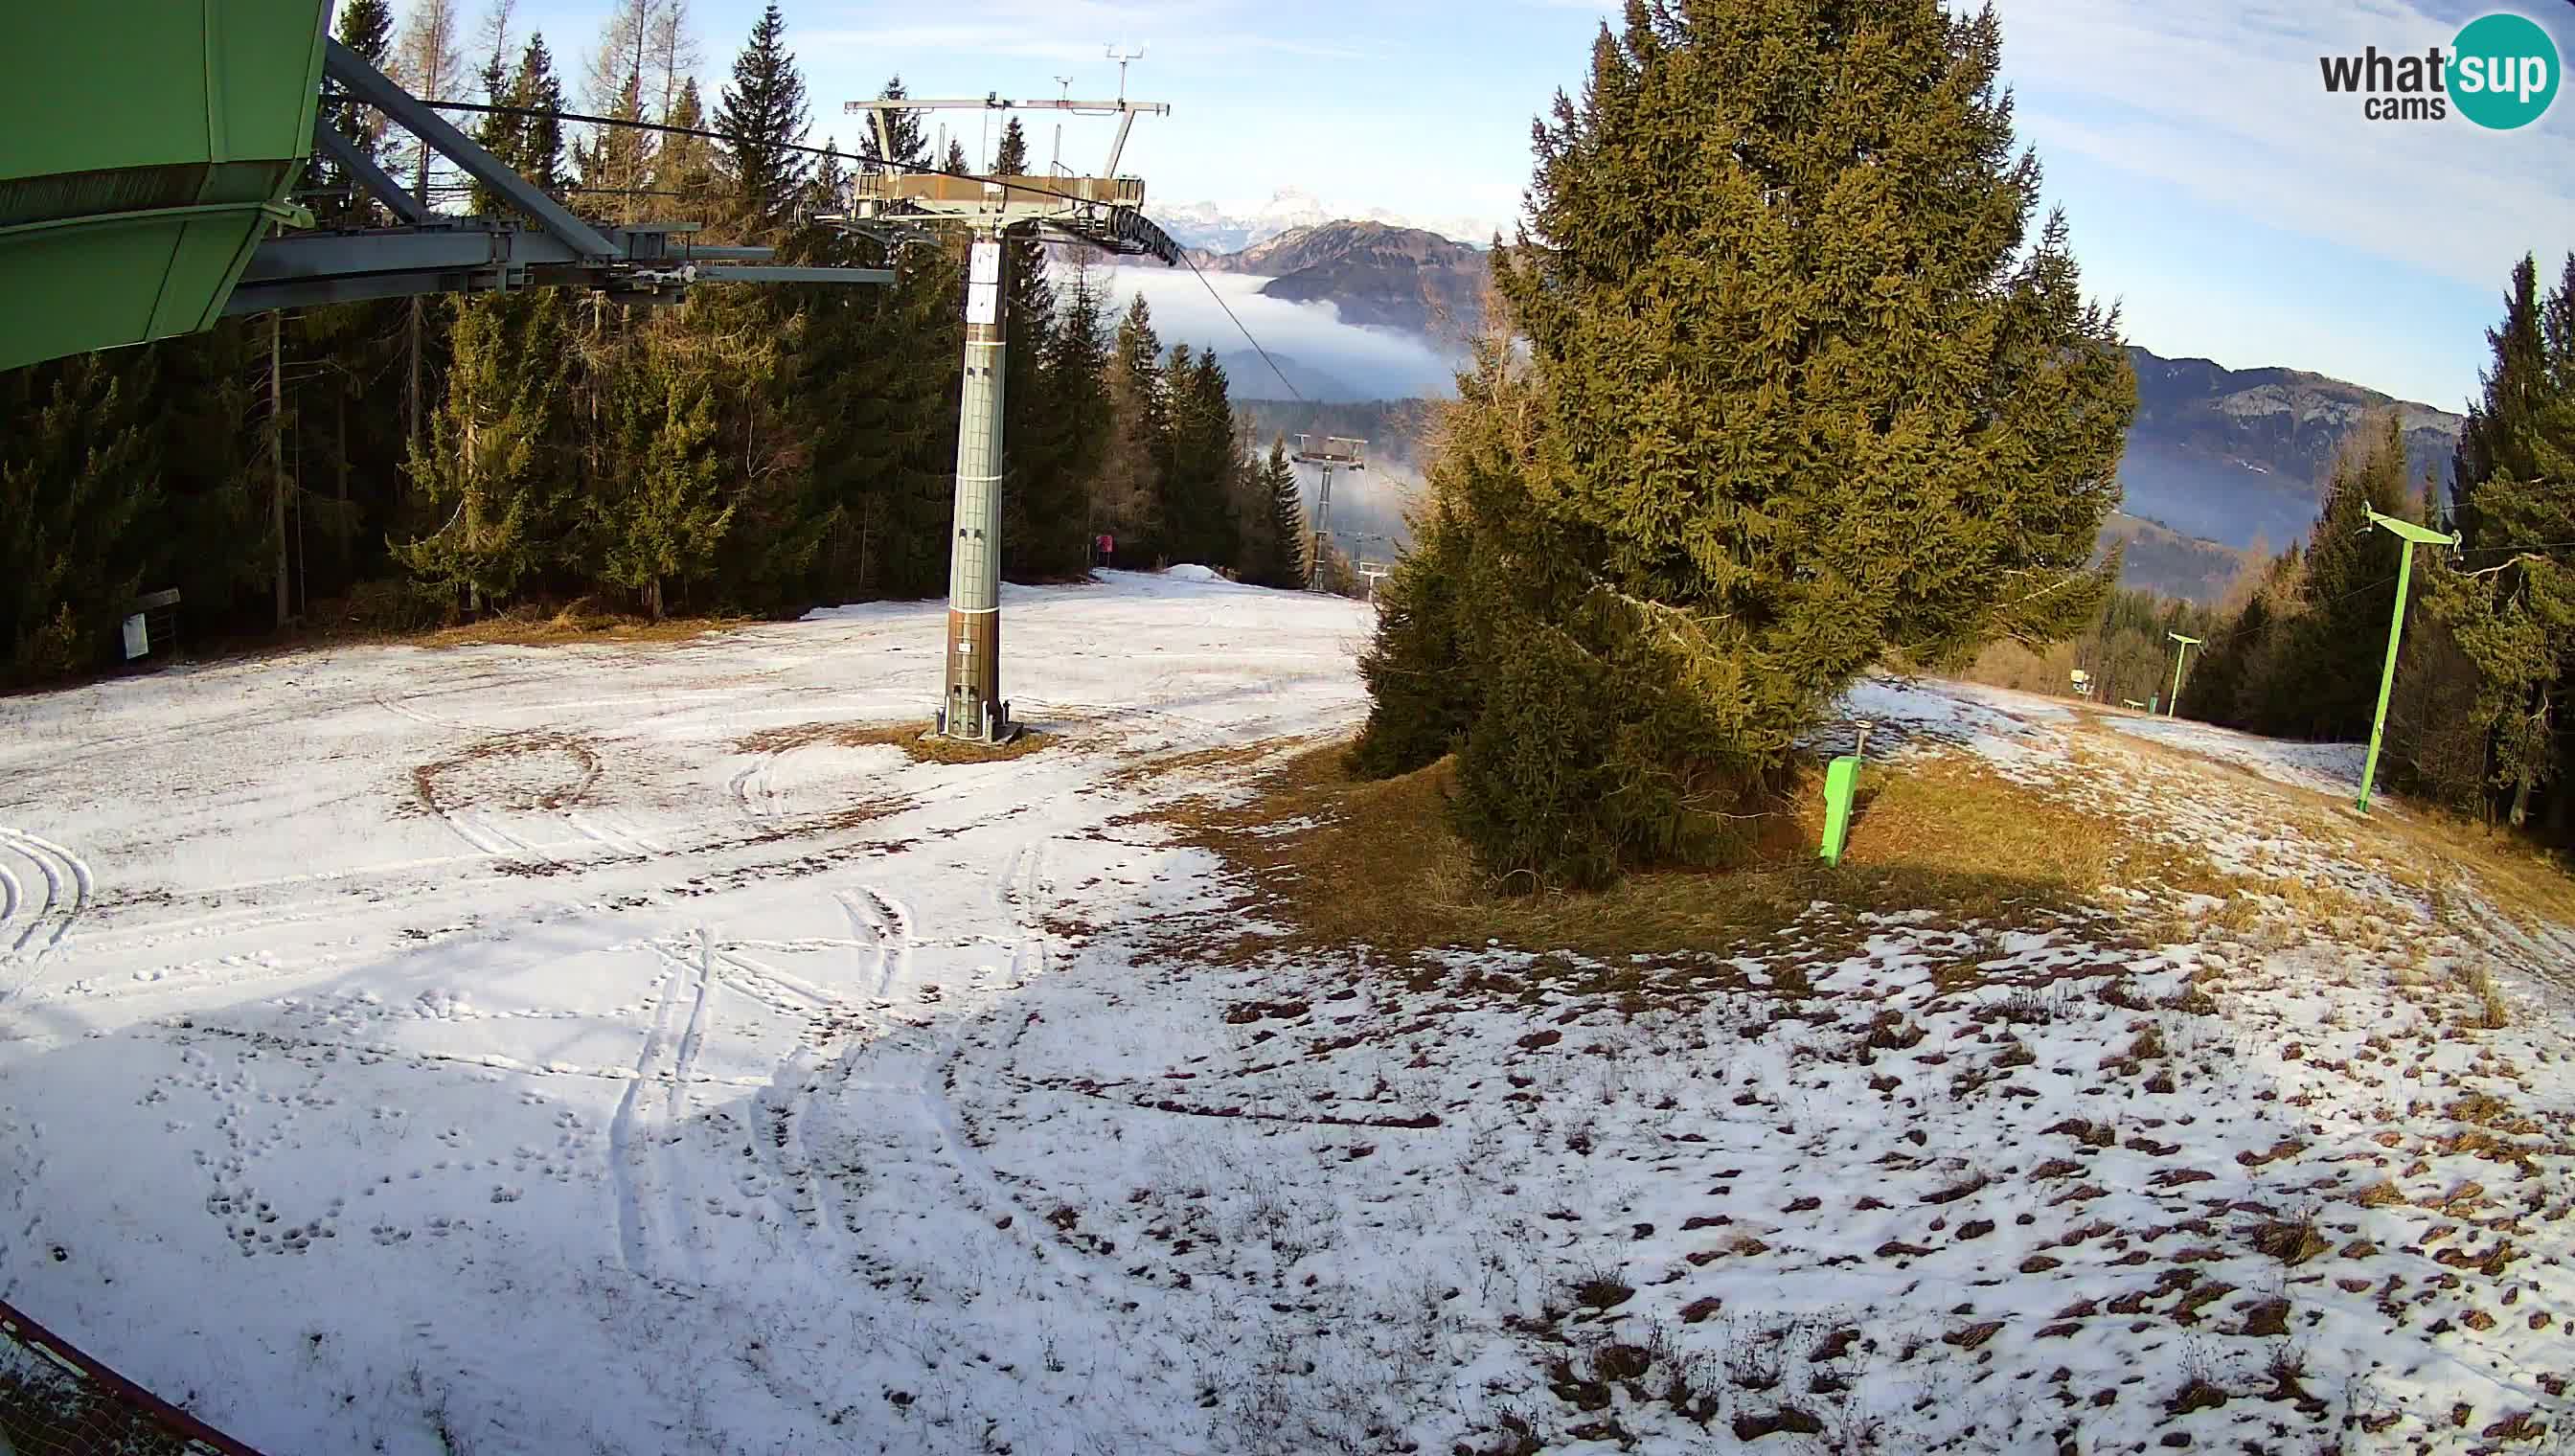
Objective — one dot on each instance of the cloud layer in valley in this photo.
(1327, 359)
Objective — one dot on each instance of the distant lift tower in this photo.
(1335, 453)
(1105, 212)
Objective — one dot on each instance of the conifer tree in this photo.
(540, 156)
(493, 473)
(666, 522)
(1128, 498)
(617, 161)
(910, 146)
(366, 27)
(79, 508)
(2510, 603)
(1200, 462)
(683, 167)
(2318, 676)
(1076, 379)
(1806, 390)
(1041, 505)
(762, 118)
(1283, 558)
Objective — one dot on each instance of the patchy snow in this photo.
(2326, 768)
(586, 1049)
(1907, 714)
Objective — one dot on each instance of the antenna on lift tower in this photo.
(1105, 212)
(1335, 453)
(1122, 56)
(1063, 93)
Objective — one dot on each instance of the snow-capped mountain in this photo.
(1233, 227)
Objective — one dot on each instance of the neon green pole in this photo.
(2412, 534)
(2187, 643)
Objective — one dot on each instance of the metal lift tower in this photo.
(1105, 212)
(1335, 453)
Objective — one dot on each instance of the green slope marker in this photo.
(1841, 780)
(2413, 536)
(2187, 643)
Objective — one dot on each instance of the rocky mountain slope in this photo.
(1376, 276)
(2219, 461)
(1232, 226)
(2243, 455)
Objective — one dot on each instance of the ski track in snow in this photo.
(33, 927)
(628, 1092)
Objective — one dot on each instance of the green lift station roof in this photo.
(145, 148)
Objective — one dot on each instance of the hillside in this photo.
(2158, 558)
(649, 1048)
(2237, 457)
(1376, 276)
(2241, 455)
(2164, 560)
(1228, 228)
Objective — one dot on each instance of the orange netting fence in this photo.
(56, 1401)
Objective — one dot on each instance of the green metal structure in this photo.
(1842, 785)
(2413, 536)
(2187, 643)
(146, 148)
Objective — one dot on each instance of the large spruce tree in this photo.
(1280, 561)
(762, 118)
(1803, 390)
(2510, 603)
(366, 27)
(2317, 676)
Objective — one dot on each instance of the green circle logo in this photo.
(2503, 71)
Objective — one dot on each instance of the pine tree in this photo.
(2510, 604)
(1129, 497)
(1282, 560)
(910, 146)
(615, 163)
(1805, 392)
(1077, 383)
(493, 468)
(762, 118)
(530, 145)
(366, 27)
(668, 522)
(2318, 679)
(79, 508)
(540, 156)
(684, 168)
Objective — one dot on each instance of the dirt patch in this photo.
(1340, 861)
(524, 772)
(918, 743)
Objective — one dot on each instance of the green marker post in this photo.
(2413, 536)
(2187, 643)
(1841, 783)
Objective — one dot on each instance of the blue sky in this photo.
(2234, 209)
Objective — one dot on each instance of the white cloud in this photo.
(2225, 100)
(1373, 363)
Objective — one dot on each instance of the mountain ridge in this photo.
(2220, 463)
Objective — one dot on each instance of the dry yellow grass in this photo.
(916, 740)
(1345, 862)
(2412, 843)
(572, 626)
